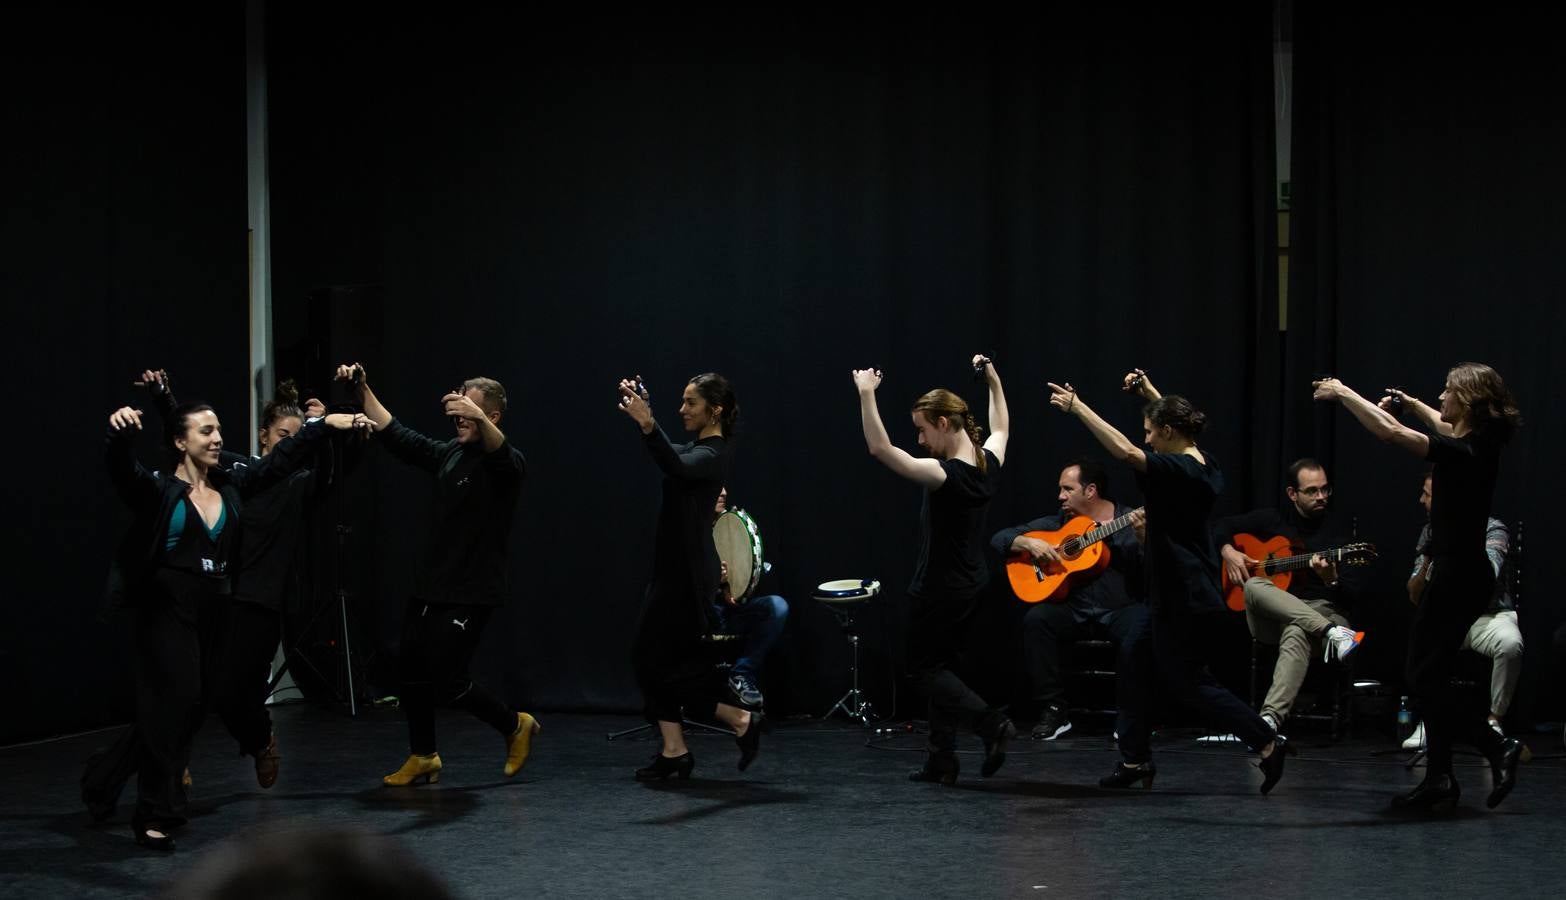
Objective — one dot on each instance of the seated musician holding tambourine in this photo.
(758, 621)
(1264, 546)
(1100, 601)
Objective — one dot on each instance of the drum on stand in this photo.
(843, 597)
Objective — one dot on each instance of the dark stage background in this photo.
(560, 202)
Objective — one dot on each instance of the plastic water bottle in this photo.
(1405, 720)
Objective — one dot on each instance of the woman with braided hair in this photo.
(958, 479)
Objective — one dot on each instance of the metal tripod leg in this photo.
(853, 703)
(687, 723)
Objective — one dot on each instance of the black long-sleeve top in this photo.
(1119, 585)
(476, 494)
(684, 556)
(152, 497)
(1325, 532)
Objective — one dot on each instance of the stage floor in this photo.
(819, 814)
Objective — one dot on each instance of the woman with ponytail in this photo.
(958, 479)
(674, 670)
(1180, 483)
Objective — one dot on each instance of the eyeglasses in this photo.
(1314, 492)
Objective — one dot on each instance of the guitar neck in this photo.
(1300, 561)
(1099, 533)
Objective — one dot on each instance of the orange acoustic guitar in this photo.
(1279, 559)
(1083, 554)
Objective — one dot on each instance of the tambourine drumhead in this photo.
(739, 546)
(847, 590)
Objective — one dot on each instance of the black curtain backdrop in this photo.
(1427, 181)
(560, 201)
(124, 247)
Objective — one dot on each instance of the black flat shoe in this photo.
(664, 766)
(995, 748)
(1272, 765)
(1125, 776)
(939, 768)
(750, 742)
(162, 841)
(1503, 770)
(1437, 793)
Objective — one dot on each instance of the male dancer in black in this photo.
(1106, 604)
(958, 479)
(462, 576)
(1312, 611)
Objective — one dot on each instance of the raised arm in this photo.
(1381, 424)
(1000, 417)
(697, 463)
(355, 375)
(294, 452)
(1424, 413)
(1064, 398)
(131, 480)
(925, 472)
(1137, 382)
(461, 405)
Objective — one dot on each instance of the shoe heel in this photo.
(685, 769)
(1147, 781)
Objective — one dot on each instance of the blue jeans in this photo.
(760, 621)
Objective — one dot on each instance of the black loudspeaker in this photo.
(331, 621)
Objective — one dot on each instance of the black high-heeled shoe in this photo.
(1125, 776)
(1503, 769)
(664, 766)
(939, 768)
(1437, 793)
(162, 841)
(995, 747)
(750, 742)
(1272, 764)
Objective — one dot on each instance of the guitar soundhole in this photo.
(1071, 548)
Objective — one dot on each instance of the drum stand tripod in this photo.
(853, 703)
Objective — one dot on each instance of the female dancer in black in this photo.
(272, 522)
(672, 666)
(174, 565)
(1476, 419)
(949, 578)
(1180, 482)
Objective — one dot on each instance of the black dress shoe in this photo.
(1437, 793)
(1272, 765)
(939, 768)
(664, 766)
(995, 748)
(1503, 770)
(161, 841)
(750, 742)
(1125, 776)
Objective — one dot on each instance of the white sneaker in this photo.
(1339, 642)
(1496, 725)
(1416, 741)
(1267, 717)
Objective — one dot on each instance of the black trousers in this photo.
(938, 629)
(253, 634)
(178, 633)
(1458, 594)
(1048, 626)
(438, 641)
(676, 671)
(1182, 644)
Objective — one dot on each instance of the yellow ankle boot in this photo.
(416, 770)
(520, 743)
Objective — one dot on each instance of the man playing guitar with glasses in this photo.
(1311, 612)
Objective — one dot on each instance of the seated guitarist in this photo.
(1106, 604)
(1311, 611)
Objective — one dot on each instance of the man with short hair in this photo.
(1495, 634)
(461, 578)
(1108, 606)
(1311, 612)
